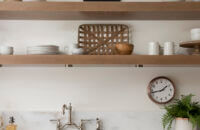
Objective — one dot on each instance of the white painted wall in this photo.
(89, 88)
(101, 88)
(21, 34)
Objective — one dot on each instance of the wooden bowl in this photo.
(124, 48)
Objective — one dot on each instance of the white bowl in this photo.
(73, 51)
(43, 49)
(77, 51)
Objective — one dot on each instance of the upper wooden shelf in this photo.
(100, 10)
(100, 59)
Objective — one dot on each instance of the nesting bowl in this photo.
(124, 48)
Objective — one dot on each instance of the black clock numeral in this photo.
(161, 81)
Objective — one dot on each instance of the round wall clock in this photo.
(161, 90)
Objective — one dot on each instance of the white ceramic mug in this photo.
(154, 48)
(6, 50)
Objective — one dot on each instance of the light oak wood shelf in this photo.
(100, 10)
(100, 59)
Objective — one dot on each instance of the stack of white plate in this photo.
(43, 50)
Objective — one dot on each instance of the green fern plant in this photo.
(182, 108)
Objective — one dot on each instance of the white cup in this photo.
(195, 34)
(6, 50)
(169, 48)
(154, 48)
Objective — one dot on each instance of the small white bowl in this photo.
(77, 51)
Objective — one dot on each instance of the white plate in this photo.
(43, 47)
(41, 53)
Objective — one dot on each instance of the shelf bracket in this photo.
(68, 65)
(139, 66)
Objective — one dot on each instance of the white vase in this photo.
(183, 124)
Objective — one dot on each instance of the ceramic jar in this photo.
(154, 48)
(168, 48)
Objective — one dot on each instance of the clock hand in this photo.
(163, 89)
(155, 91)
(160, 90)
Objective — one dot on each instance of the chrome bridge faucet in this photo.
(70, 123)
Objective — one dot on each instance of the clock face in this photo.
(161, 90)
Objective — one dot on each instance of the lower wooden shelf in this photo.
(100, 59)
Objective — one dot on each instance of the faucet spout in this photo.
(64, 108)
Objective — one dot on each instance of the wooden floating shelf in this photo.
(100, 10)
(100, 59)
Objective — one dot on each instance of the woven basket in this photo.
(100, 39)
